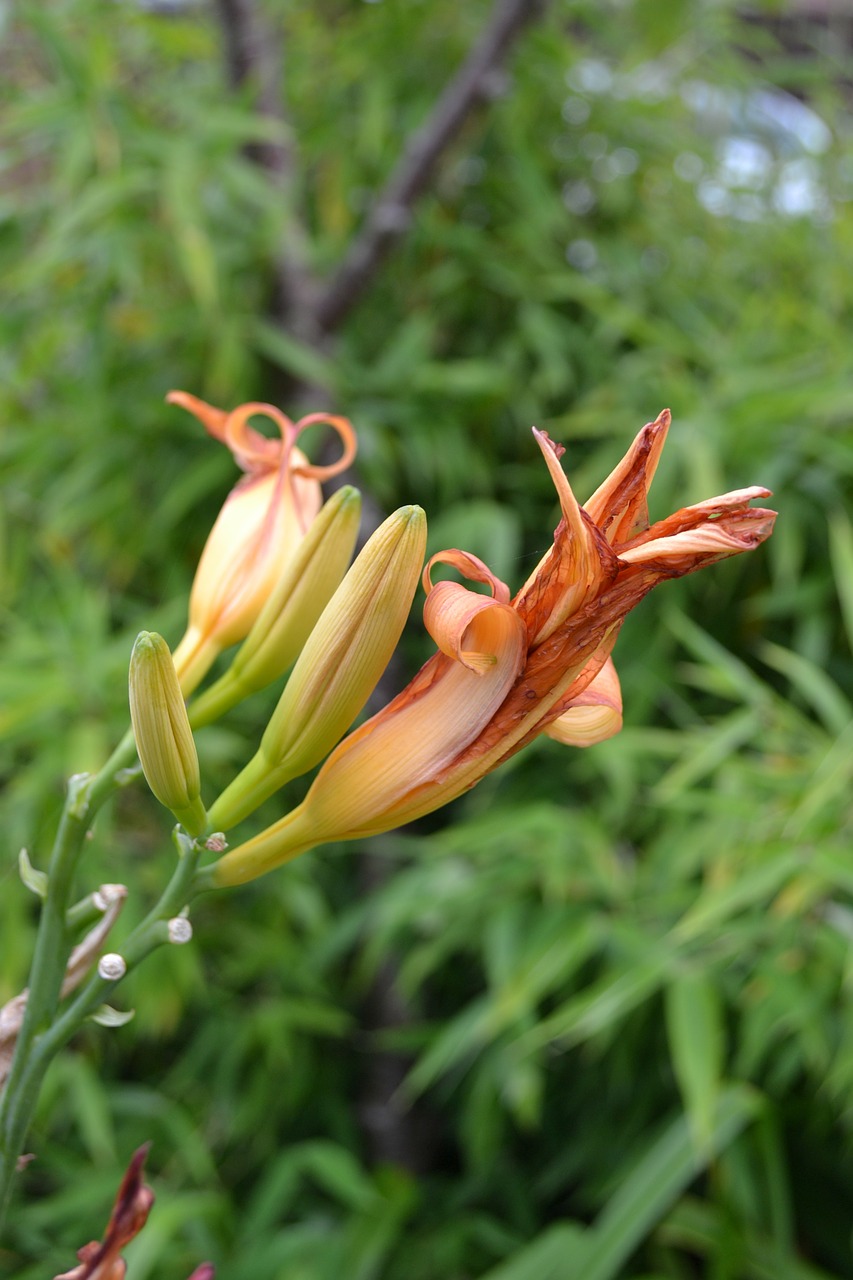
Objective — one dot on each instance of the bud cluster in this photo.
(273, 579)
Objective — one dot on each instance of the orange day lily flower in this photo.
(259, 529)
(507, 669)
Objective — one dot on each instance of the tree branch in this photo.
(253, 58)
(390, 215)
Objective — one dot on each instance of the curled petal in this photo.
(345, 430)
(213, 420)
(449, 615)
(253, 451)
(402, 748)
(619, 506)
(471, 567)
(718, 527)
(591, 716)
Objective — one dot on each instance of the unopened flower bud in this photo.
(260, 527)
(339, 666)
(112, 966)
(162, 730)
(180, 930)
(305, 585)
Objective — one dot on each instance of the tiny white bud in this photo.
(216, 843)
(180, 930)
(111, 967)
(108, 894)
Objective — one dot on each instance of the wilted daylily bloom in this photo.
(130, 1213)
(258, 530)
(510, 669)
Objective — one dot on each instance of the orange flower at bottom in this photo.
(507, 671)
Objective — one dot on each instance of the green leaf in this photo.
(696, 1041)
(553, 1255)
(664, 1172)
(812, 683)
(841, 549)
(294, 357)
(715, 906)
(35, 881)
(107, 1016)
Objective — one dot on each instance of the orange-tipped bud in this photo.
(258, 530)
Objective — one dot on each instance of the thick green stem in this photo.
(84, 797)
(48, 968)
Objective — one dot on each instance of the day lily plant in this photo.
(273, 586)
(507, 669)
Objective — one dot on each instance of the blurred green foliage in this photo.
(623, 978)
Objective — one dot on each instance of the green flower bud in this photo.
(304, 587)
(339, 666)
(164, 739)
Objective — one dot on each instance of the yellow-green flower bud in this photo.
(304, 587)
(339, 666)
(164, 739)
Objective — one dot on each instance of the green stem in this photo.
(42, 1048)
(146, 937)
(215, 701)
(84, 914)
(84, 797)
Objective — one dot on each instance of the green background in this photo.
(594, 1020)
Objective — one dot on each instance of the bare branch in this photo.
(390, 214)
(253, 57)
(250, 59)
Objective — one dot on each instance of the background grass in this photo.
(595, 1019)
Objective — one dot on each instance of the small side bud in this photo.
(180, 930)
(112, 967)
(163, 735)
